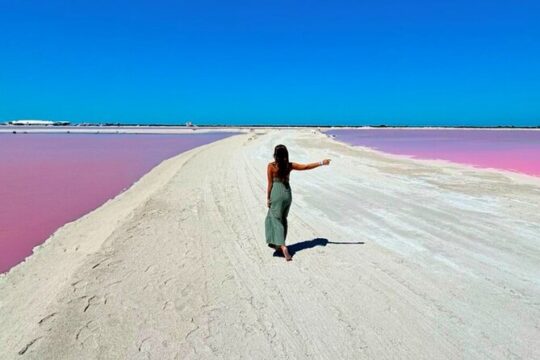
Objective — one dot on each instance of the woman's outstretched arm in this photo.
(310, 166)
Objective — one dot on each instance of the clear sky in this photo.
(271, 62)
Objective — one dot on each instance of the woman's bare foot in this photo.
(285, 252)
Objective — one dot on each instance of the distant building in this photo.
(38, 122)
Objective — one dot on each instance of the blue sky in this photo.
(271, 62)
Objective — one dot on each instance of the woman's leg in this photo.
(285, 214)
(285, 252)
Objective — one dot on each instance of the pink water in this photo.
(513, 150)
(47, 180)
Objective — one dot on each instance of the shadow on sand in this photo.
(308, 244)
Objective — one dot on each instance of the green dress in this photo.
(276, 219)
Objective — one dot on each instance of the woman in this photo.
(279, 198)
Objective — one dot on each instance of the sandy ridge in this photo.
(424, 261)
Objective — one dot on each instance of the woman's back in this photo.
(280, 175)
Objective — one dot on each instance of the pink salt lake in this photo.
(511, 150)
(47, 180)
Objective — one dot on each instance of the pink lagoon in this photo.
(510, 150)
(47, 180)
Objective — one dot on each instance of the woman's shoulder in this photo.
(272, 167)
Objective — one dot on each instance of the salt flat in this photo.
(396, 259)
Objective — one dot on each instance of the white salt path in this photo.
(177, 267)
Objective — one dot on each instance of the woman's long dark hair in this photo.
(281, 156)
